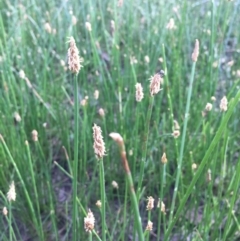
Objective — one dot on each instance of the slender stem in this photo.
(34, 187)
(103, 207)
(182, 142)
(204, 161)
(75, 164)
(29, 200)
(137, 217)
(163, 183)
(169, 98)
(145, 144)
(10, 221)
(212, 46)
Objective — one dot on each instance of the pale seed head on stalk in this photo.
(117, 138)
(176, 133)
(162, 205)
(150, 204)
(223, 104)
(98, 145)
(195, 51)
(164, 158)
(88, 26)
(115, 184)
(89, 221)
(139, 92)
(155, 82)
(149, 226)
(98, 204)
(208, 107)
(74, 61)
(11, 195)
(34, 135)
(5, 211)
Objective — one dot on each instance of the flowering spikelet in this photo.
(164, 158)
(176, 125)
(98, 145)
(195, 51)
(149, 226)
(101, 112)
(150, 204)
(88, 26)
(115, 184)
(74, 61)
(89, 221)
(208, 107)
(162, 205)
(171, 24)
(176, 133)
(155, 82)
(147, 59)
(98, 204)
(96, 94)
(17, 117)
(5, 211)
(11, 195)
(139, 92)
(34, 135)
(223, 104)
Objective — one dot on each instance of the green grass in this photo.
(58, 178)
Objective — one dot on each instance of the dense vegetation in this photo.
(182, 143)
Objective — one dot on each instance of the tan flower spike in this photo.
(74, 61)
(155, 82)
(11, 195)
(98, 145)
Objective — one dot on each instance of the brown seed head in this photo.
(74, 61)
(98, 145)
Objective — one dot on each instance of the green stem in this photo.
(182, 142)
(204, 161)
(34, 187)
(145, 144)
(103, 207)
(29, 200)
(75, 164)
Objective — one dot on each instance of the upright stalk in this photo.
(145, 143)
(179, 167)
(75, 164)
(103, 200)
(137, 218)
